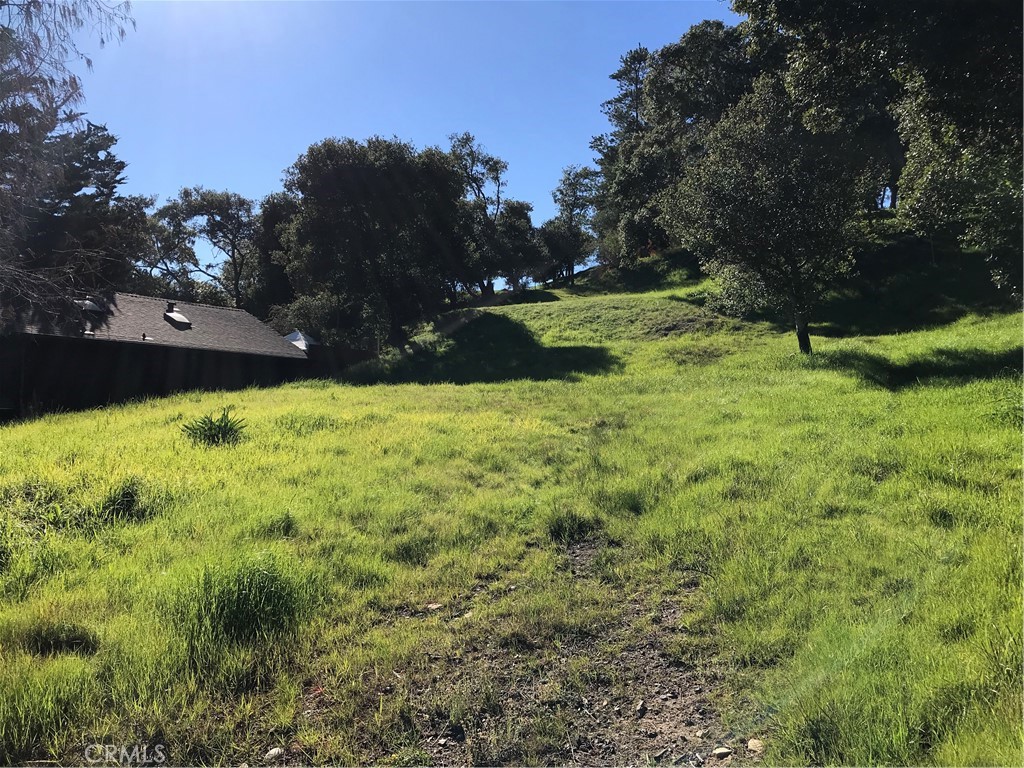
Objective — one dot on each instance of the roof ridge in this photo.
(182, 301)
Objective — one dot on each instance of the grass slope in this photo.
(851, 522)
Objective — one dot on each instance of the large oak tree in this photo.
(768, 206)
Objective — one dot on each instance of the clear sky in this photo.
(228, 94)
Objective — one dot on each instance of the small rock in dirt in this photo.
(274, 755)
(442, 741)
(433, 606)
(641, 708)
(721, 753)
(756, 746)
(700, 734)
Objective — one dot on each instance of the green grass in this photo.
(852, 519)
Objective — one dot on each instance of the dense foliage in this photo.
(745, 144)
(919, 102)
(57, 176)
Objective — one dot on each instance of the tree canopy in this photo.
(776, 231)
(42, 137)
(763, 148)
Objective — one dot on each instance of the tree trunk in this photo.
(570, 273)
(802, 336)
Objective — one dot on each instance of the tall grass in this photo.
(851, 523)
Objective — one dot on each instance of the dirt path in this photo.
(625, 701)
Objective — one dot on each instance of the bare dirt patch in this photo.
(612, 696)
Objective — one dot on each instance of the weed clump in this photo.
(45, 505)
(567, 526)
(47, 633)
(411, 549)
(279, 526)
(51, 638)
(209, 431)
(249, 604)
(303, 425)
(1008, 406)
(6, 546)
(128, 501)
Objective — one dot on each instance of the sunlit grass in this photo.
(852, 520)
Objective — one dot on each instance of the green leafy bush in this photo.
(207, 430)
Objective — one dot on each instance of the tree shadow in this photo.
(663, 270)
(694, 300)
(530, 296)
(940, 365)
(931, 291)
(910, 290)
(486, 347)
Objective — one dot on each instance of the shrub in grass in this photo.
(280, 526)
(567, 526)
(6, 545)
(48, 638)
(253, 604)
(207, 430)
(127, 501)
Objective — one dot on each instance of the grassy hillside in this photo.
(454, 557)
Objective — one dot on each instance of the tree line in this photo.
(764, 149)
(365, 240)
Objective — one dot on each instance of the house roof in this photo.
(148, 320)
(301, 340)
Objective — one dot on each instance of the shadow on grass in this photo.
(910, 292)
(530, 296)
(939, 366)
(671, 269)
(694, 300)
(486, 347)
(926, 292)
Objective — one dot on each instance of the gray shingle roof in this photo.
(215, 328)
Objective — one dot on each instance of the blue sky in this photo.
(228, 94)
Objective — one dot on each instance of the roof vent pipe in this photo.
(170, 306)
